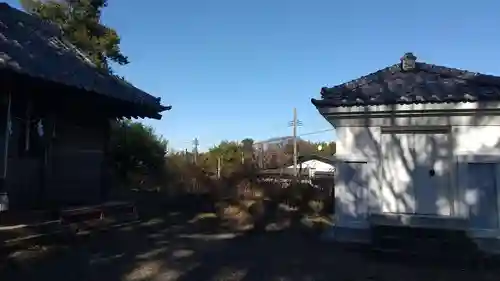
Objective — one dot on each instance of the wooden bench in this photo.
(90, 217)
(120, 211)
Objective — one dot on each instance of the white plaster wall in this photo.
(483, 139)
(360, 144)
(358, 150)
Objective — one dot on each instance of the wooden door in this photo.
(415, 172)
(481, 195)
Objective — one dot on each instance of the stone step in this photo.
(57, 235)
(22, 230)
(37, 230)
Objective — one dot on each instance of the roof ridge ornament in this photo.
(408, 62)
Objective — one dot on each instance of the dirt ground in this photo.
(173, 248)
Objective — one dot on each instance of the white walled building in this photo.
(418, 144)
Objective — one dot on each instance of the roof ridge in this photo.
(359, 82)
(354, 84)
(477, 77)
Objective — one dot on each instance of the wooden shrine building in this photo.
(55, 113)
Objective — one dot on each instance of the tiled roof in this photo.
(426, 83)
(33, 47)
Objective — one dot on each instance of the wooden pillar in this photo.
(106, 175)
(5, 107)
(46, 172)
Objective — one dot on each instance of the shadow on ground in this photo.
(177, 248)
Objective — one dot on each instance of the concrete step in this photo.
(347, 235)
(429, 241)
(418, 221)
(490, 245)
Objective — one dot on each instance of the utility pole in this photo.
(294, 124)
(261, 156)
(295, 142)
(196, 143)
(219, 166)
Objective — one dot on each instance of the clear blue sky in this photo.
(235, 69)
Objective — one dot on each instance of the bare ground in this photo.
(172, 248)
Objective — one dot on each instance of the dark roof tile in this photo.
(33, 47)
(427, 83)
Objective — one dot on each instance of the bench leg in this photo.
(134, 213)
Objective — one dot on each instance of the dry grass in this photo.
(203, 216)
(244, 215)
(235, 217)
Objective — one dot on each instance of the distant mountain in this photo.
(277, 143)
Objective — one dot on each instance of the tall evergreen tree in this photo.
(80, 22)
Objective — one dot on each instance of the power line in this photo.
(317, 132)
(195, 142)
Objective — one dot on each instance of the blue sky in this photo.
(236, 69)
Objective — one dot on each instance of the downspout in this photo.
(7, 135)
(106, 176)
(4, 199)
(45, 131)
(27, 127)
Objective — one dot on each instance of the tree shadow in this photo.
(174, 248)
(170, 245)
(388, 163)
